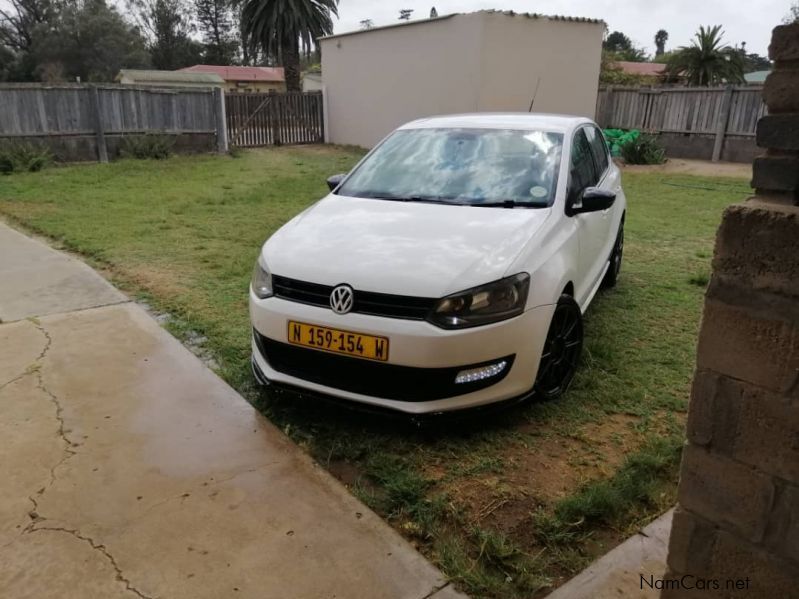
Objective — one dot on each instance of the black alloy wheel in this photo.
(612, 274)
(562, 350)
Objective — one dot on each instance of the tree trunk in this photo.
(291, 65)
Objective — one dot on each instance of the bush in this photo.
(146, 146)
(22, 157)
(645, 149)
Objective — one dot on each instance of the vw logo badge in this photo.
(341, 299)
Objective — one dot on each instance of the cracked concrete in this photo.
(131, 470)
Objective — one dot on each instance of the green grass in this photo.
(183, 234)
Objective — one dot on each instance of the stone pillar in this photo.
(737, 521)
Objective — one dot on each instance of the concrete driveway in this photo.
(129, 469)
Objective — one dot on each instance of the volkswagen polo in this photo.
(449, 269)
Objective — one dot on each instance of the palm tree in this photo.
(706, 61)
(661, 37)
(281, 27)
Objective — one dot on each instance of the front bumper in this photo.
(420, 355)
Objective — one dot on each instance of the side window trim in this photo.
(590, 151)
(573, 145)
(605, 172)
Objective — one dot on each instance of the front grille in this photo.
(387, 381)
(366, 302)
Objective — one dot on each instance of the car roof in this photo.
(559, 123)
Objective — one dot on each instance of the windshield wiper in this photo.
(413, 198)
(507, 204)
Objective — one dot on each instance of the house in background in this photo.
(756, 77)
(152, 78)
(311, 81)
(244, 79)
(653, 70)
(379, 78)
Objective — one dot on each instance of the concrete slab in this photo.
(130, 469)
(618, 573)
(35, 280)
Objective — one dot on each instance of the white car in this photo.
(449, 269)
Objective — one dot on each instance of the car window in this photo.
(600, 148)
(582, 172)
(461, 166)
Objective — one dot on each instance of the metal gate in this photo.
(274, 119)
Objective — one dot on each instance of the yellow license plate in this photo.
(338, 341)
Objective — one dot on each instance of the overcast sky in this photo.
(743, 21)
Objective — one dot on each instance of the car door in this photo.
(608, 179)
(591, 227)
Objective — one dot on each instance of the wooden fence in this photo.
(88, 122)
(274, 118)
(695, 121)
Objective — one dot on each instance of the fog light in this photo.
(478, 374)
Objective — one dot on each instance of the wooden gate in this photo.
(274, 119)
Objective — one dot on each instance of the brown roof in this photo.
(232, 73)
(652, 69)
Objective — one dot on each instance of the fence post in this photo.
(609, 108)
(721, 124)
(325, 115)
(102, 149)
(221, 121)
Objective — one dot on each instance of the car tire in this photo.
(614, 268)
(562, 349)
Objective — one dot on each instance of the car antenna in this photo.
(535, 93)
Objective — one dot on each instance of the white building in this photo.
(379, 78)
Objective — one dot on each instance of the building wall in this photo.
(737, 521)
(561, 57)
(377, 80)
(312, 82)
(166, 84)
(252, 87)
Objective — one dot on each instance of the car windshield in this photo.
(480, 167)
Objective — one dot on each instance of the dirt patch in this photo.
(160, 282)
(347, 473)
(543, 470)
(702, 168)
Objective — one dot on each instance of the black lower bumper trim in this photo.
(375, 379)
(425, 418)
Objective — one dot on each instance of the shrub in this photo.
(24, 157)
(146, 146)
(645, 149)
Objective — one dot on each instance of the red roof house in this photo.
(245, 79)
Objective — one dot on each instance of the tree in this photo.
(282, 27)
(706, 61)
(433, 13)
(617, 42)
(793, 14)
(661, 37)
(622, 48)
(22, 22)
(215, 22)
(367, 24)
(168, 27)
(755, 62)
(405, 14)
(90, 40)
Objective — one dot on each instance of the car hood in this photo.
(404, 248)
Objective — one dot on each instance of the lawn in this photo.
(507, 506)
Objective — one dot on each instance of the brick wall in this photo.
(737, 522)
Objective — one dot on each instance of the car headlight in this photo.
(261, 279)
(485, 304)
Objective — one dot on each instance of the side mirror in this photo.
(333, 181)
(592, 199)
